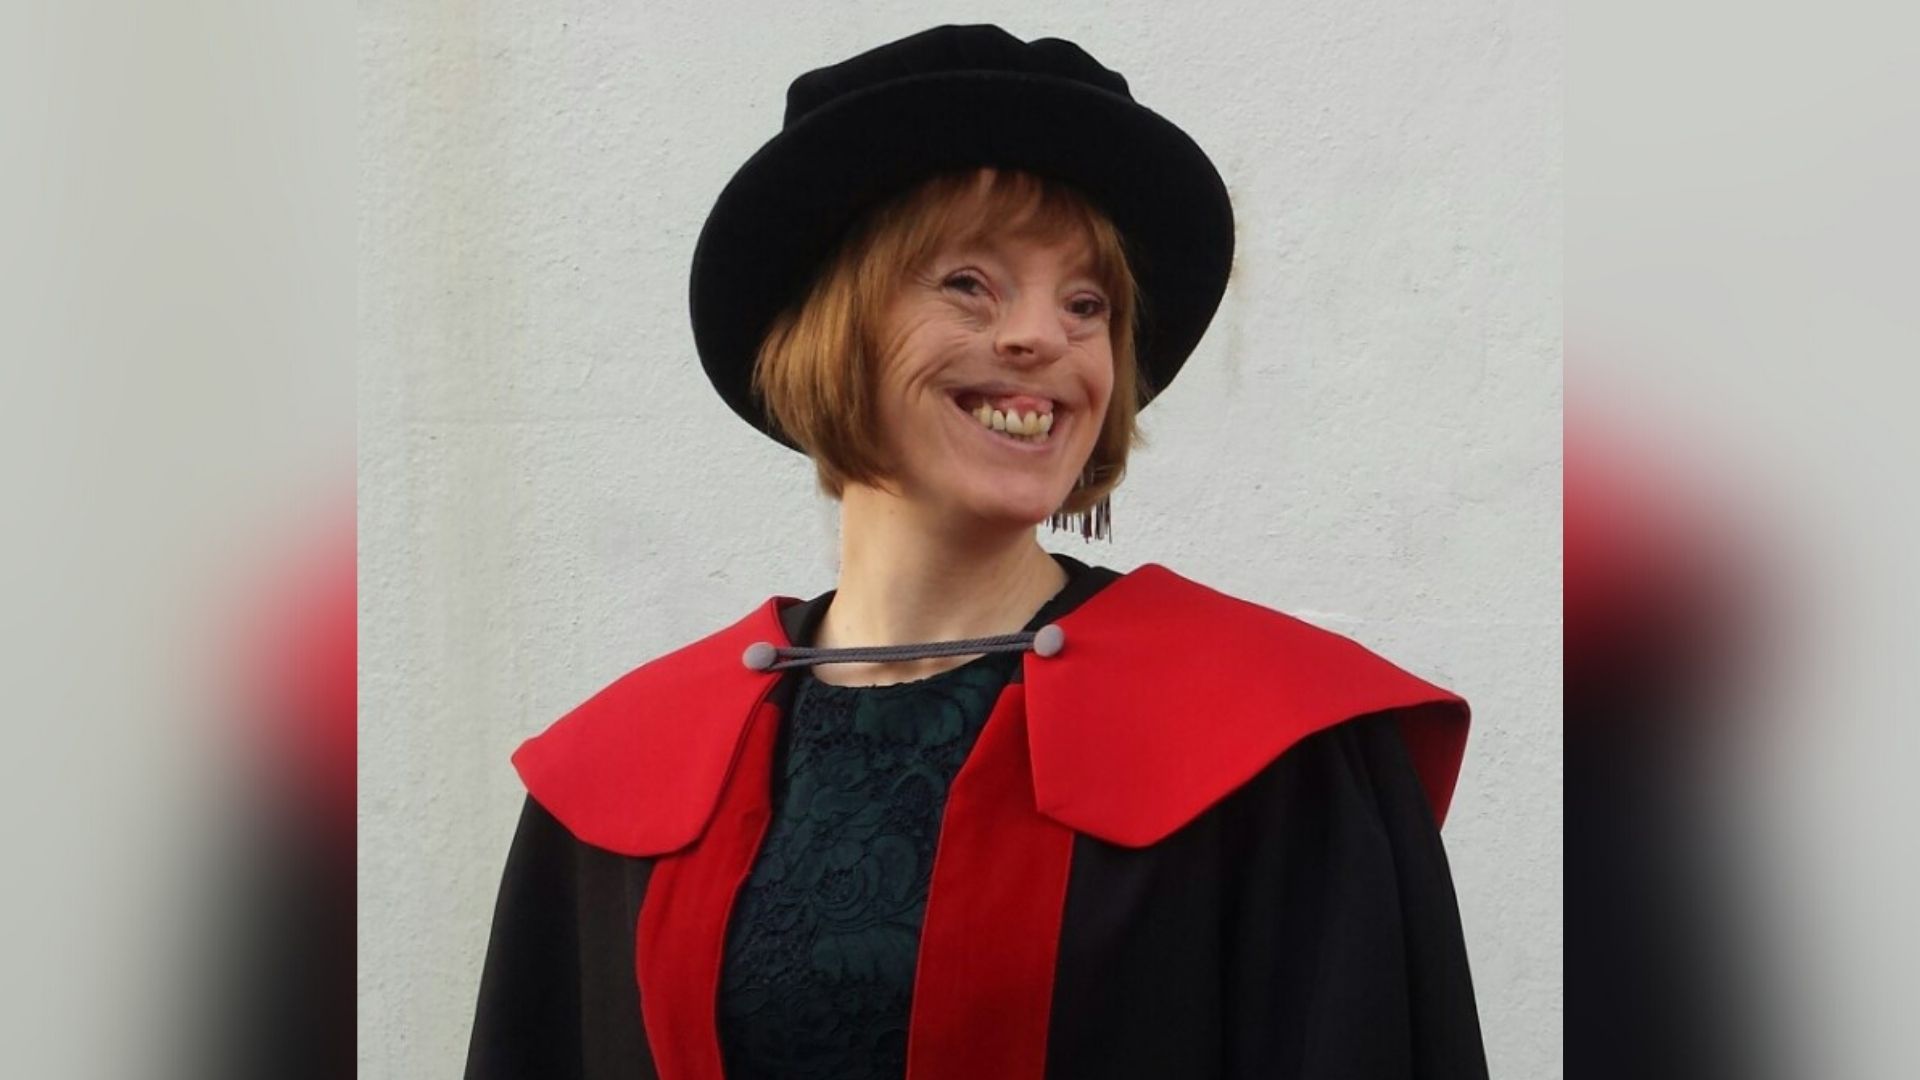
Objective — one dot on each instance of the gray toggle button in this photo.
(1049, 639)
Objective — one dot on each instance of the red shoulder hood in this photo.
(1167, 696)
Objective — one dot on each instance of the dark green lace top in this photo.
(818, 974)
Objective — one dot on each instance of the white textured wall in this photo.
(551, 494)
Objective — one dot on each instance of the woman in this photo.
(980, 811)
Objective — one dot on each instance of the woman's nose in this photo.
(1031, 330)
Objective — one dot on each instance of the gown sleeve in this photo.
(558, 996)
(1346, 954)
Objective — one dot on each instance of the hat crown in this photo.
(946, 50)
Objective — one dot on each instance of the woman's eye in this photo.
(1088, 307)
(966, 283)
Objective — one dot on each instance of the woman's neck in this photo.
(905, 579)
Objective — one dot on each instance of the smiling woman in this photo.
(926, 291)
(980, 810)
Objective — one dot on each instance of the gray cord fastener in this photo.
(766, 656)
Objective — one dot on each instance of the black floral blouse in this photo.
(818, 974)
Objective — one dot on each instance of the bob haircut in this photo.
(819, 363)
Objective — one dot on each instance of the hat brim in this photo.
(788, 207)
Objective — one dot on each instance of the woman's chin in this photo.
(1013, 513)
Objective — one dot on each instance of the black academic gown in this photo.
(1201, 841)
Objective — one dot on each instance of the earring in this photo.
(1096, 521)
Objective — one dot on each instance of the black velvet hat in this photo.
(957, 97)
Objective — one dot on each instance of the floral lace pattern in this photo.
(822, 943)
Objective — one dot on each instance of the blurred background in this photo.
(214, 214)
(1740, 582)
(177, 599)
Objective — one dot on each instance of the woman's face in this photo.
(1011, 326)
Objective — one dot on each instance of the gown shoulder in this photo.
(1168, 695)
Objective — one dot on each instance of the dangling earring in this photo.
(1097, 521)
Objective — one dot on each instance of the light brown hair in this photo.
(819, 364)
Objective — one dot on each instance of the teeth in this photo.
(1033, 425)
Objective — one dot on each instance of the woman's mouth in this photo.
(1019, 419)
